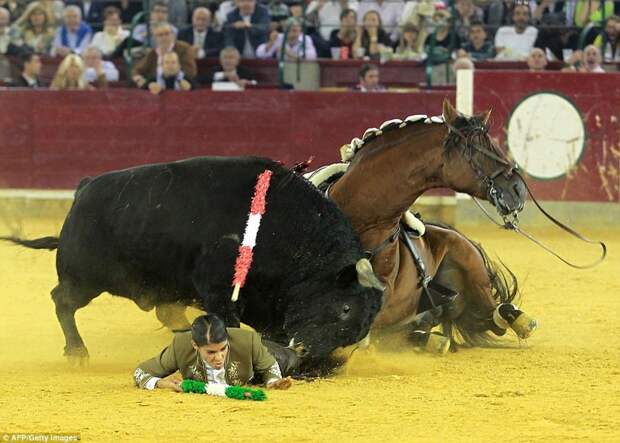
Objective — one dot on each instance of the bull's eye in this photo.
(346, 309)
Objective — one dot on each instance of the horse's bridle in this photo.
(507, 170)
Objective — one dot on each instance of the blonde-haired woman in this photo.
(35, 29)
(54, 9)
(70, 76)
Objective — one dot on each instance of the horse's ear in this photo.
(486, 115)
(449, 113)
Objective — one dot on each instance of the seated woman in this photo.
(71, 76)
(294, 45)
(35, 29)
(371, 40)
(341, 40)
(410, 46)
(212, 353)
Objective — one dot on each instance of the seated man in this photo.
(537, 60)
(478, 47)
(97, 67)
(171, 76)
(159, 14)
(206, 41)
(515, 42)
(214, 354)
(31, 68)
(247, 27)
(369, 79)
(165, 42)
(294, 45)
(74, 35)
(229, 69)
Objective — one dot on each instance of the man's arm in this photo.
(148, 373)
(266, 365)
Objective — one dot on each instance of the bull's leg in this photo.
(172, 316)
(68, 299)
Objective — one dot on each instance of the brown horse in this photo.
(389, 169)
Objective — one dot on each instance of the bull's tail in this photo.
(49, 243)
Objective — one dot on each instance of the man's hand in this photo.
(139, 80)
(175, 385)
(282, 383)
(240, 24)
(185, 85)
(155, 88)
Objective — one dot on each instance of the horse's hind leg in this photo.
(172, 316)
(68, 298)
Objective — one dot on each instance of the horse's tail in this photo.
(504, 289)
(49, 243)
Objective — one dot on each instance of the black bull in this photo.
(170, 233)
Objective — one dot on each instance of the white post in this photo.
(465, 91)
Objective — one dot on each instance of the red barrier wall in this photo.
(595, 176)
(51, 139)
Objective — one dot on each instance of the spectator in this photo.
(229, 69)
(7, 47)
(159, 14)
(558, 41)
(206, 41)
(150, 66)
(31, 69)
(419, 14)
(587, 11)
(171, 76)
(74, 35)
(54, 10)
(91, 10)
(341, 40)
(466, 13)
(390, 13)
(609, 40)
(591, 60)
(70, 75)
(247, 27)
(499, 12)
(129, 9)
(410, 45)
(96, 67)
(369, 79)
(294, 47)
(327, 14)
(516, 42)
(225, 8)
(371, 39)
(278, 11)
(551, 10)
(35, 30)
(478, 47)
(14, 7)
(445, 42)
(178, 13)
(537, 61)
(113, 34)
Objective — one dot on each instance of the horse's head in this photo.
(474, 165)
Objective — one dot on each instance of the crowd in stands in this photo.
(164, 42)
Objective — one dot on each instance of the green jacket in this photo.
(246, 357)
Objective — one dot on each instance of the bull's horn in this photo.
(366, 276)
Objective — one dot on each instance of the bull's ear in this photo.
(346, 276)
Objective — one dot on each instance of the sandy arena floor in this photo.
(562, 385)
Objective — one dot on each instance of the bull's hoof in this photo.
(437, 344)
(524, 326)
(77, 356)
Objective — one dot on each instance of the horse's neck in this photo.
(390, 173)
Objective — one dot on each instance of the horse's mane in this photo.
(349, 150)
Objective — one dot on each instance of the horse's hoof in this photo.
(524, 326)
(77, 356)
(437, 344)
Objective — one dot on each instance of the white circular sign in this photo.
(546, 135)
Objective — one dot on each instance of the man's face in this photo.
(592, 56)
(293, 33)
(246, 7)
(113, 20)
(521, 16)
(213, 354)
(537, 60)
(170, 64)
(4, 19)
(201, 20)
(349, 20)
(612, 28)
(477, 35)
(33, 67)
(371, 79)
(91, 58)
(72, 19)
(229, 61)
(164, 37)
(159, 14)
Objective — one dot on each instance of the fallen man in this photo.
(216, 355)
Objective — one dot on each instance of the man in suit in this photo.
(205, 40)
(31, 68)
(152, 62)
(247, 27)
(92, 11)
